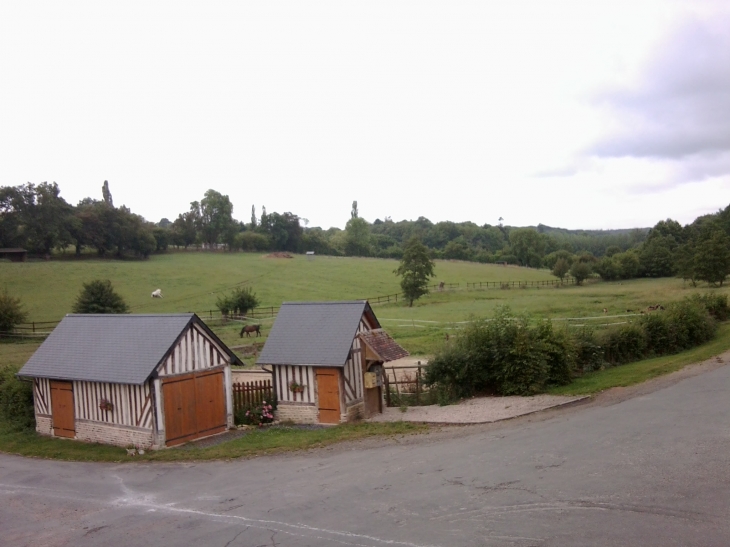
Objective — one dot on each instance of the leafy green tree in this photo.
(528, 246)
(457, 249)
(580, 271)
(415, 269)
(243, 300)
(553, 257)
(685, 263)
(214, 216)
(106, 194)
(284, 230)
(561, 268)
(656, 256)
(184, 230)
(253, 217)
(629, 264)
(11, 312)
(354, 213)
(98, 296)
(712, 258)
(357, 237)
(35, 217)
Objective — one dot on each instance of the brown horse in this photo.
(248, 329)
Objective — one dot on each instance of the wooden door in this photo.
(62, 409)
(195, 406)
(211, 403)
(328, 395)
(178, 393)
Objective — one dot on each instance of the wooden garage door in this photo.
(328, 395)
(195, 406)
(62, 408)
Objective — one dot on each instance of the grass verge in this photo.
(272, 440)
(640, 371)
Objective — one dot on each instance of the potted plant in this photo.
(296, 387)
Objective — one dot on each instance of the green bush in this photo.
(589, 354)
(659, 334)
(560, 352)
(503, 356)
(715, 304)
(98, 296)
(691, 324)
(624, 344)
(11, 312)
(16, 400)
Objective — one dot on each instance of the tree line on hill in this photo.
(37, 218)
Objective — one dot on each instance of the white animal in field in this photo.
(157, 293)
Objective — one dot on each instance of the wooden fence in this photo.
(248, 394)
(519, 284)
(411, 382)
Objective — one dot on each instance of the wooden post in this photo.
(387, 389)
(418, 390)
(395, 381)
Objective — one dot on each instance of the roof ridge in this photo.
(131, 315)
(324, 302)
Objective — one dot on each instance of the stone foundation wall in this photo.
(96, 432)
(355, 412)
(43, 425)
(299, 414)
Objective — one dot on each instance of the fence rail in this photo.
(248, 394)
(43, 328)
(519, 284)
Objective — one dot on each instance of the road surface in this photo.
(653, 470)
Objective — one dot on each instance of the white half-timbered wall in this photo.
(194, 351)
(353, 369)
(132, 405)
(301, 374)
(42, 396)
(305, 375)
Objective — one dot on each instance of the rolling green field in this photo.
(191, 281)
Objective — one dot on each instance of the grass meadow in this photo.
(191, 281)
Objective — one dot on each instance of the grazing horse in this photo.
(248, 329)
(654, 308)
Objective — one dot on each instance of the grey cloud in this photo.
(680, 109)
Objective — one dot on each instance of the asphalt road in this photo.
(650, 470)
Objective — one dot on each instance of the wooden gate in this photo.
(195, 406)
(62, 408)
(328, 395)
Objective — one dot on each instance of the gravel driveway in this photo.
(478, 410)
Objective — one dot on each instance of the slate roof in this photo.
(314, 333)
(382, 344)
(120, 349)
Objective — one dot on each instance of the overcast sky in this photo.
(579, 114)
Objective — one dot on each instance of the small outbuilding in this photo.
(327, 361)
(14, 255)
(148, 380)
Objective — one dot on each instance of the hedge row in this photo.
(508, 355)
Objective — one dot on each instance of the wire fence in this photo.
(40, 329)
